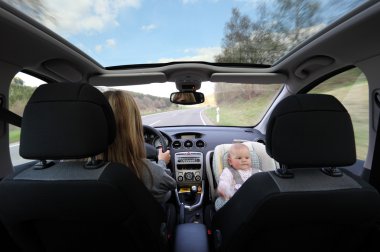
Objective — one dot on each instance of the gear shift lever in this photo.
(193, 194)
(193, 190)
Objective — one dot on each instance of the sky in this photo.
(122, 32)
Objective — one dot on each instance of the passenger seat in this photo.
(308, 204)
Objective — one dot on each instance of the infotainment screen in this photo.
(187, 136)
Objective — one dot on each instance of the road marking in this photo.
(154, 123)
(200, 114)
(155, 114)
(14, 145)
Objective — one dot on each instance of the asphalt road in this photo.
(15, 157)
(177, 117)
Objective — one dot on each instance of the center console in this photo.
(188, 167)
(189, 176)
(191, 233)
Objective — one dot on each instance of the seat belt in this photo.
(236, 175)
(10, 117)
(374, 176)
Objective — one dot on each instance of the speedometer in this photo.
(157, 142)
(149, 138)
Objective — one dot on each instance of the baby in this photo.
(232, 178)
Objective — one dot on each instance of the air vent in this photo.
(200, 144)
(176, 144)
(188, 144)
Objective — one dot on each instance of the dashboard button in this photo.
(188, 144)
(189, 176)
(200, 144)
(176, 144)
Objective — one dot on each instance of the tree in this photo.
(17, 81)
(249, 42)
(19, 95)
(266, 39)
(266, 42)
(34, 8)
(296, 19)
(263, 40)
(237, 37)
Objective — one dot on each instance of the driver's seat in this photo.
(73, 205)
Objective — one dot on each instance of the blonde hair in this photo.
(128, 147)
(236, 147)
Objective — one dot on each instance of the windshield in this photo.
(226, 104)
(125, 32)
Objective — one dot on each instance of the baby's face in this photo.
(240, 159)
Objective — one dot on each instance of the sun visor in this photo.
(124, 79)
(262, 78)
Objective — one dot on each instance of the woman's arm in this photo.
(164, 156)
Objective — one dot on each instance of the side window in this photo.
(351, 89)
(21, 89)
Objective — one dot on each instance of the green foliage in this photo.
(351, 88)
(227, 93)
(17, 81)
(263, 41)
(242, 104)
(149, 104)
(347, 78)
(296, 17)
(14, 135)
(19, 95)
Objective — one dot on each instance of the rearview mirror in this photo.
(187, 98)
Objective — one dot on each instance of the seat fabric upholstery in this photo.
(309, 211)
(68, 206)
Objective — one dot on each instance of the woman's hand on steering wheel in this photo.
(164, 156)
(151, 151)
(157, 133)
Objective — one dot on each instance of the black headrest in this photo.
(66, 121)
(311, 130)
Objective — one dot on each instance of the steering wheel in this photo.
(150, 149)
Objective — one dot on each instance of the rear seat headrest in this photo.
(66, 121)
(311, 130)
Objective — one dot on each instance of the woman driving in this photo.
(129, 149)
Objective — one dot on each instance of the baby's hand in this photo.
(223, 194)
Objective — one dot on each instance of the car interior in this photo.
(315, 144)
